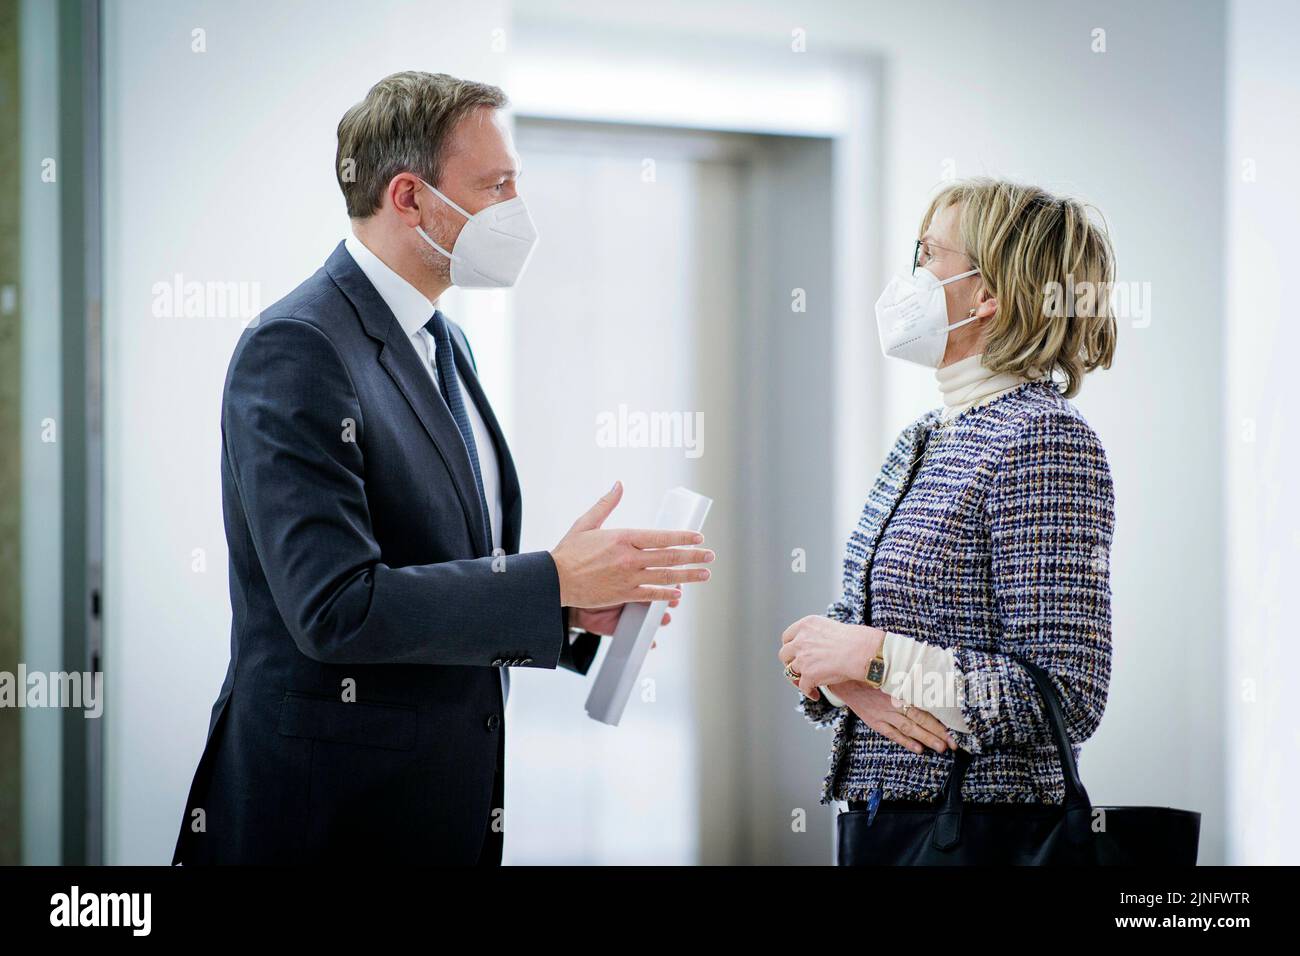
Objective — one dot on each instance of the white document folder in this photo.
(681, 510)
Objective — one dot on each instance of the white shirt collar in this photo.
(408, 303)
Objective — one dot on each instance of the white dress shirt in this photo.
(413, 310)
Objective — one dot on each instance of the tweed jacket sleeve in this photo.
(1050, 512)
(820, 711)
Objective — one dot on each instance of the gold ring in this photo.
(791, 674)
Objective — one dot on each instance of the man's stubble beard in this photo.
(434, 260)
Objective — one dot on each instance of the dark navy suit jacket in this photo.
(362, 714)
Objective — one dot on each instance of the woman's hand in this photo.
(915, 731)
(821, 652)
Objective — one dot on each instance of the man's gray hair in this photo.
(403, 125)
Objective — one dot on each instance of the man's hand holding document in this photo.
(641, 569)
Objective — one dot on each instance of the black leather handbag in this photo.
(1074, 833)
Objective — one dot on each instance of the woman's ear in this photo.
(986, 307)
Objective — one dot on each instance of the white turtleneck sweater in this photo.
(925, 675)
(967, 383)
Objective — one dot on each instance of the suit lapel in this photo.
(398, 358)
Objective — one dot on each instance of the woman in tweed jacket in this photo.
(986, 536)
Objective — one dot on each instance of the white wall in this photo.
(218, 166)
(1014, 89)
(1261, 439)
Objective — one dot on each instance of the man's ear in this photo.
(406, 193)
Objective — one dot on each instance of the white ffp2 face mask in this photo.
(912, 316)
(493, 247)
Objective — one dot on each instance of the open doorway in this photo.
(702, 260)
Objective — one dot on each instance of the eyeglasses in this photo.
(927, 246)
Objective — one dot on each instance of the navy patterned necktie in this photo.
(446, 362)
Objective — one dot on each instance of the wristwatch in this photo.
(876, 669)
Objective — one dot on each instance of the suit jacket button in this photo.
(498, 663)
(493, 722)
(526, 661)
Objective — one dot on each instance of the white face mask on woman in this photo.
(493, 247)
(912, 315)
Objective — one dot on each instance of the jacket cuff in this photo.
(579, 647)
(542, 642)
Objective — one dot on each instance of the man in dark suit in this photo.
(373, 513)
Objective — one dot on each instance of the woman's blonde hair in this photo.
(1049, 265)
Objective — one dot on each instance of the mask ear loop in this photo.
(425, 236)
(956, 325)
(969, 319)
(439, 193)
(420, 229)
(962, 275)
(971, 315)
